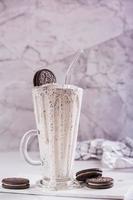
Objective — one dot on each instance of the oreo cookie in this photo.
(15, 183)
(83, 175)
(100, 186)
(100, 183)
(43, 76)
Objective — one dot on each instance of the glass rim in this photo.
(57, 86)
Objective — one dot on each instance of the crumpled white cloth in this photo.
(114, 154)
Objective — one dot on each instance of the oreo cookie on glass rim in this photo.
(43, 76)
(100, 183)
(88, 173)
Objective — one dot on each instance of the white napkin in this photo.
(114, 154)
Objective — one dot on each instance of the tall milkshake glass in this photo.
(57, 112)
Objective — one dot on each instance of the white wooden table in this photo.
(12, 164)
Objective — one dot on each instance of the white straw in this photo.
(74, 60)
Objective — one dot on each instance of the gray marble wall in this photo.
(37, 33)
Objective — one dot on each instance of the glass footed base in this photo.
(60, 185)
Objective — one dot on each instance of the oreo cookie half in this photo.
(100, 183)
(83, 175)
(43, 76)
(15, 183)
(88, 170)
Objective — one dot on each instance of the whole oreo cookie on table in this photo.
(100, 183)
(43, 76)
(15, 183)
(83, 175)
